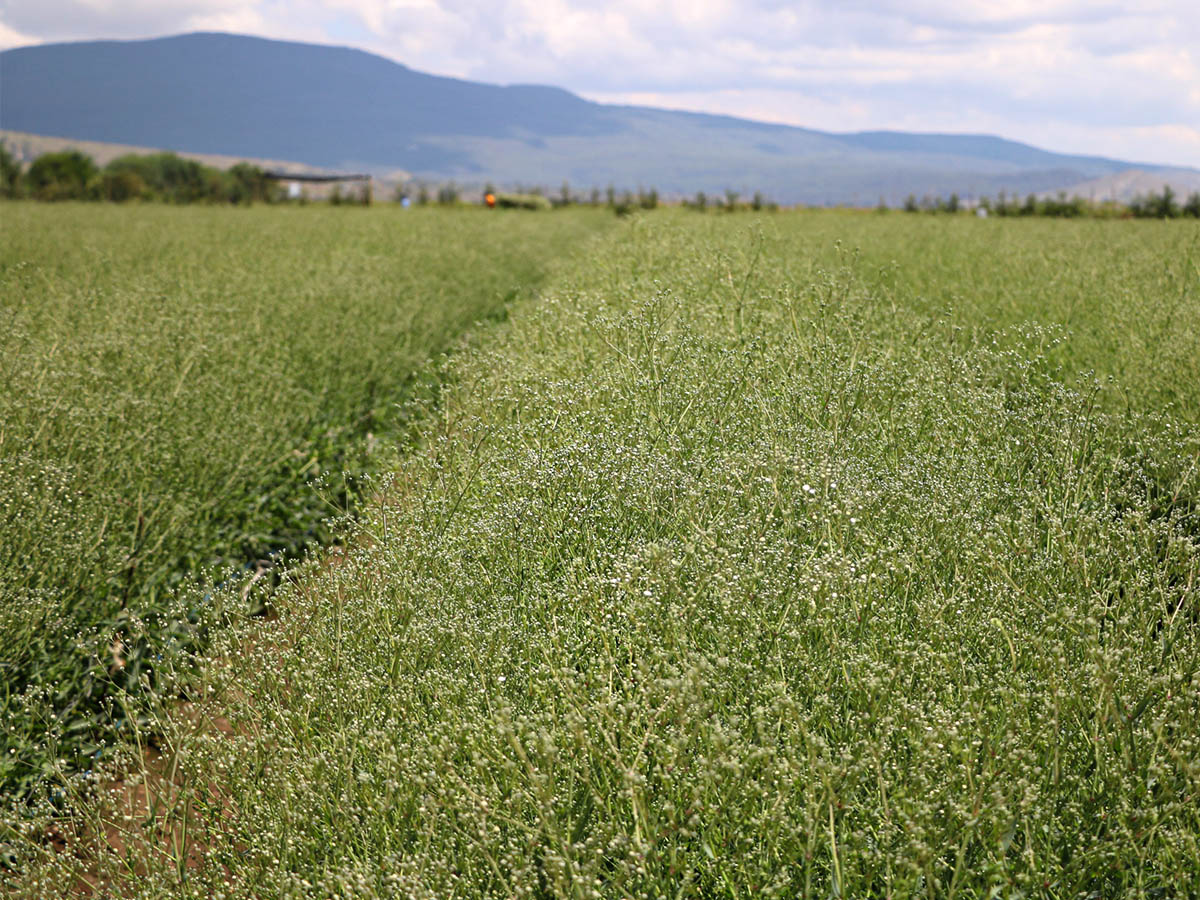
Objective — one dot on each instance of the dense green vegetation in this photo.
(1163, 205)
(72, 175)
(823, 555)
(171, 380)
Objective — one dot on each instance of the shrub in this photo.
(121, 187)
(1157, 206)
(61, 176)
(10, 172)
(172, 178)
(249, 184)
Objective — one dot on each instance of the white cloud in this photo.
(1106, 77)
(10, 37)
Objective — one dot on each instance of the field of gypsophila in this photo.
(805, 555)
(171, 381)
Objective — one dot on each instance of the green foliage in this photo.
(171, 382)
(249, 184)
(746, 564)
(447, 194)
(1061, 207)
(10, 172)
(68, 175)
(625, 205)
(171, 177)
(1156, 206)
(122, 186)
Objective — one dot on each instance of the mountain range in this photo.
(341, 108)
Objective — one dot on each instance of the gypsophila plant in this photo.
(172, 383)
(828, 556)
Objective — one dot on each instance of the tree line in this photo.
(72, 175)
(1163, 205)
(167, 177)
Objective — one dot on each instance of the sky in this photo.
(1119, 79)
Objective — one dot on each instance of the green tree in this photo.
(61, 176)
(1163, 206)
(172, 178)
(10, 172)
(248, 184)
(121, 187)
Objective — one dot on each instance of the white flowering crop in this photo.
(806, 577)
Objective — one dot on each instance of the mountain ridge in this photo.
(341, 107)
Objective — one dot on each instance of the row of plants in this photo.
(173, 379)
(746, 564)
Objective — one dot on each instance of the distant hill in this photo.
(340, 108)
(1131, 183)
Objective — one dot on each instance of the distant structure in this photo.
(295, 180)
(313, 179)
